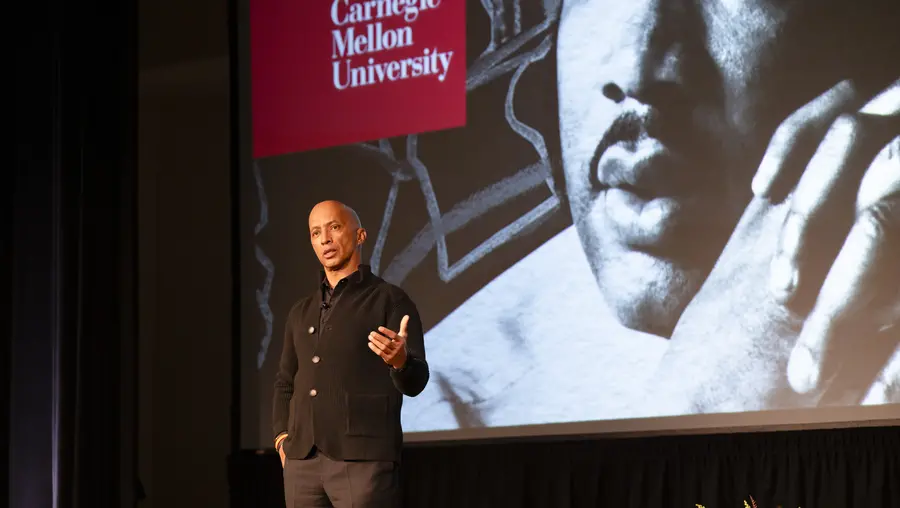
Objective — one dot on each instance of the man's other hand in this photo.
(390, 345)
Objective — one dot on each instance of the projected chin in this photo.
(645, 292)
(660, 129)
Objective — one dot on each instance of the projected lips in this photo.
(642, 209)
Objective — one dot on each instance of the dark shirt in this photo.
(329, 296)
(331, 391)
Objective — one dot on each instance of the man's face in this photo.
(334, 235)
(666, 107)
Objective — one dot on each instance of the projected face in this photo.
(335, 234)
(666, 107)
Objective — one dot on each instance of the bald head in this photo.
(337, 236)
(349, 214)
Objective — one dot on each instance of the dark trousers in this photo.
(319, 481)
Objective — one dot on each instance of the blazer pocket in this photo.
(367, 415)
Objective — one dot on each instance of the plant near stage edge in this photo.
(752, 504)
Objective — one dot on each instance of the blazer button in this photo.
(312, 330)
(315, 359)
(313, 392)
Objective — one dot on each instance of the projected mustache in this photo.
(627, 128)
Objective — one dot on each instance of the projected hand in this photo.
(390, 345)
(838, 254)
(803, 294)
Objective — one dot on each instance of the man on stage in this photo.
(351, 350)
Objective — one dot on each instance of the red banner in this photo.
(334, 72)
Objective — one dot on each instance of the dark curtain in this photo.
(822, 469)
(842, 468)
(72, 201)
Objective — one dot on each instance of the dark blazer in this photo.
(331, 390)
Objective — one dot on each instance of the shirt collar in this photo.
(357, 277)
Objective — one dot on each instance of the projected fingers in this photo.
(800, 134)
(823, 205)
(858, 300)
(835, 261)
(797, 138)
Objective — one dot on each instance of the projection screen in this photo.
(613, 216)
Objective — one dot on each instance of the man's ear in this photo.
(361, 236)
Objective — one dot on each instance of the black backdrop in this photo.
(835, 468)
(69, 257)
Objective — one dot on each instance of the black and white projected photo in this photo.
(656, 209)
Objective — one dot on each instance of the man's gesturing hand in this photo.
(390, 345)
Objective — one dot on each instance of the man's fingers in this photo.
(822, 206)
(379, 351)
(797, 138)
(857, 299)
(380, 340)
(385, 348)
(387, 332)
(387, 353)
(403, 324)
